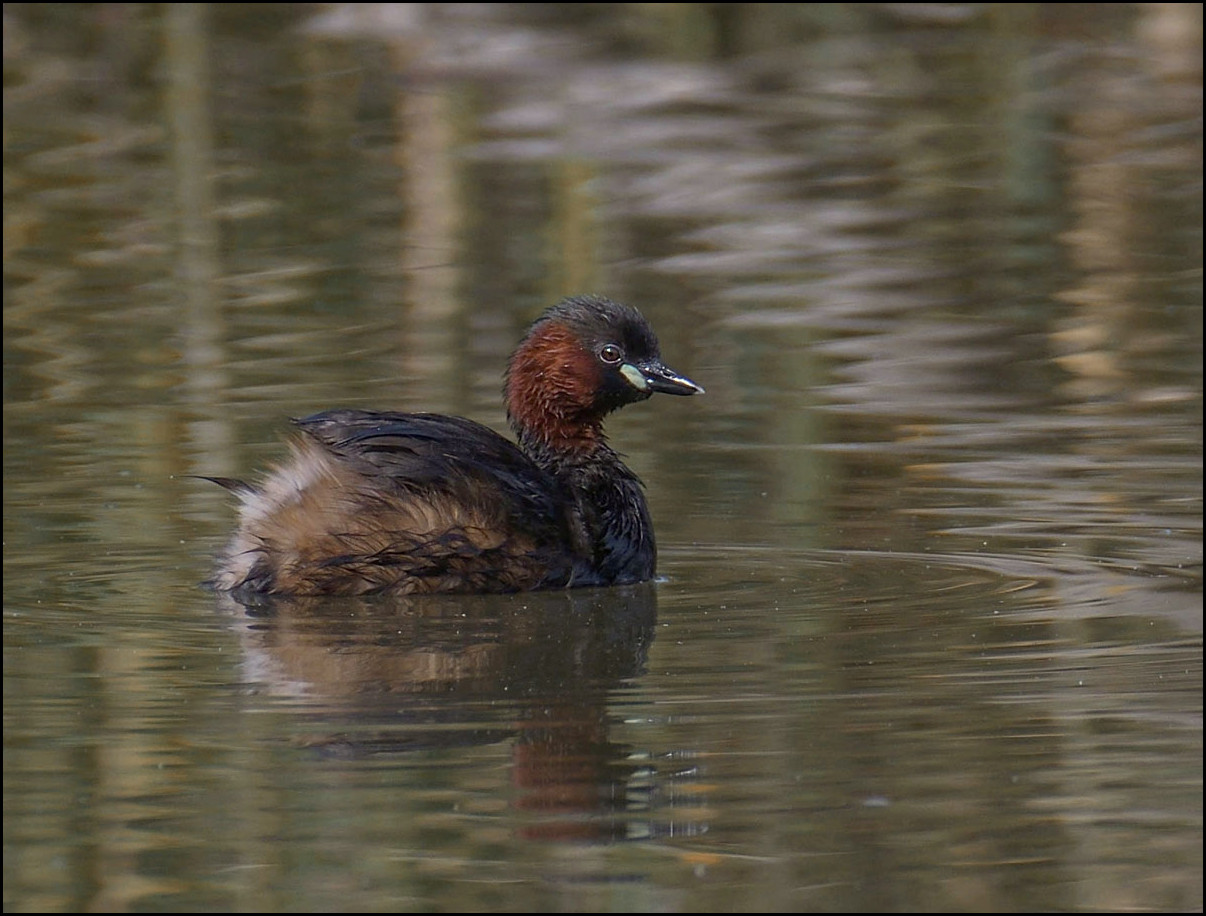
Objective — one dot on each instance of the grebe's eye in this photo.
(610, 354)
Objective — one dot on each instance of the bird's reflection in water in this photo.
(395, 675)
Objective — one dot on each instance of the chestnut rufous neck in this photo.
(551, 388)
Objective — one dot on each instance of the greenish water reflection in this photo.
(928, 635)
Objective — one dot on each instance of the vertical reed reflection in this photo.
(425, 152)
(202, 328)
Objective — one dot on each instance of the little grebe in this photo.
(400, 503)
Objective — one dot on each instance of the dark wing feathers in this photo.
(233, 484)
(416, 451)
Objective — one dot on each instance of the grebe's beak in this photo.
(654, 375)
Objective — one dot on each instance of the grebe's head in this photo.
(583, 358)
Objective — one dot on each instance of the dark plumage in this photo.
(413, 502)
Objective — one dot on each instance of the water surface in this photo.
(927, 634)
